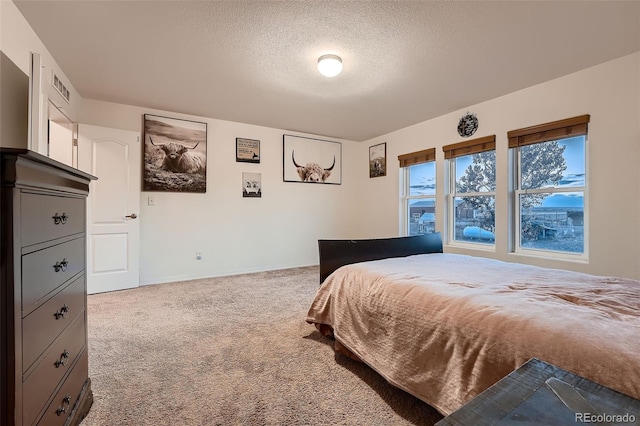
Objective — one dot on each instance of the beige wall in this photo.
(609, 93)
(14, 106)
(17, 42)
(280, 230)
(234, 234)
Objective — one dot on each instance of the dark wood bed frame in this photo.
(337, 253)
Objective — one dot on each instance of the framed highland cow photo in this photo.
(378, 160)
(311, 160)
(175, 155)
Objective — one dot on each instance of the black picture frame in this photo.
(175, 155)
(251, 185)
(309, 160)
(378, 160)
(247, 150)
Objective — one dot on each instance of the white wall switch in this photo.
(151, 201)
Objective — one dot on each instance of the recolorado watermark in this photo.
(605, 418)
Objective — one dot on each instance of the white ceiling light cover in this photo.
(330, 65)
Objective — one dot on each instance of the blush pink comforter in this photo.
(445, 327)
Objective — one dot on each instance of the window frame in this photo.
(406, 162)
(553, 131)
(452, 194)
(452, 152)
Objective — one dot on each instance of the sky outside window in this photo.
(422, 179)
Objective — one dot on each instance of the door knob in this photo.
(132, 216)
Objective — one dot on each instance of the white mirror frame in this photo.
(38, 109)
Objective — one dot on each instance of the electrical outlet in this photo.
(198, 255)
(151, 201)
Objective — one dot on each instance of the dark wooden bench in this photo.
(523, 398)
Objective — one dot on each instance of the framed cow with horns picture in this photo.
(309, 160)
(175, 155)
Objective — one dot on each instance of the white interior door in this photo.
(113, 228)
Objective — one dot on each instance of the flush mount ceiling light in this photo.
(330, 65)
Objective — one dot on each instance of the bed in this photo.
(445, 327)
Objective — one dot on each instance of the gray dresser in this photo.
(44, 366)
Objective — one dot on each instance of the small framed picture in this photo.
(251, 185)
(247, 150)
(378, 160)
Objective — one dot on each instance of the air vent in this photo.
(60, 87)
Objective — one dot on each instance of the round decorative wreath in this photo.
(467, 125)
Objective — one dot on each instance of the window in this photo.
(419, 198)
(472, 198)
(550, 187)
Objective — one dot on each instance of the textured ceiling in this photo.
(255, 61)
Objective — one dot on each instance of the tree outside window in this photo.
(550, 195)
(474, 198)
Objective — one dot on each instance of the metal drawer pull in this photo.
(60, 314)
(61, 266)
(57, 220)
(63, 359)
(66, 402)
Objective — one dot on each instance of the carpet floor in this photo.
(230, 351)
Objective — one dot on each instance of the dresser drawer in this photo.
(43, 325)
(43, 228)
(46, 217)
(44, 379)
(65, 399)
(44, 270)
